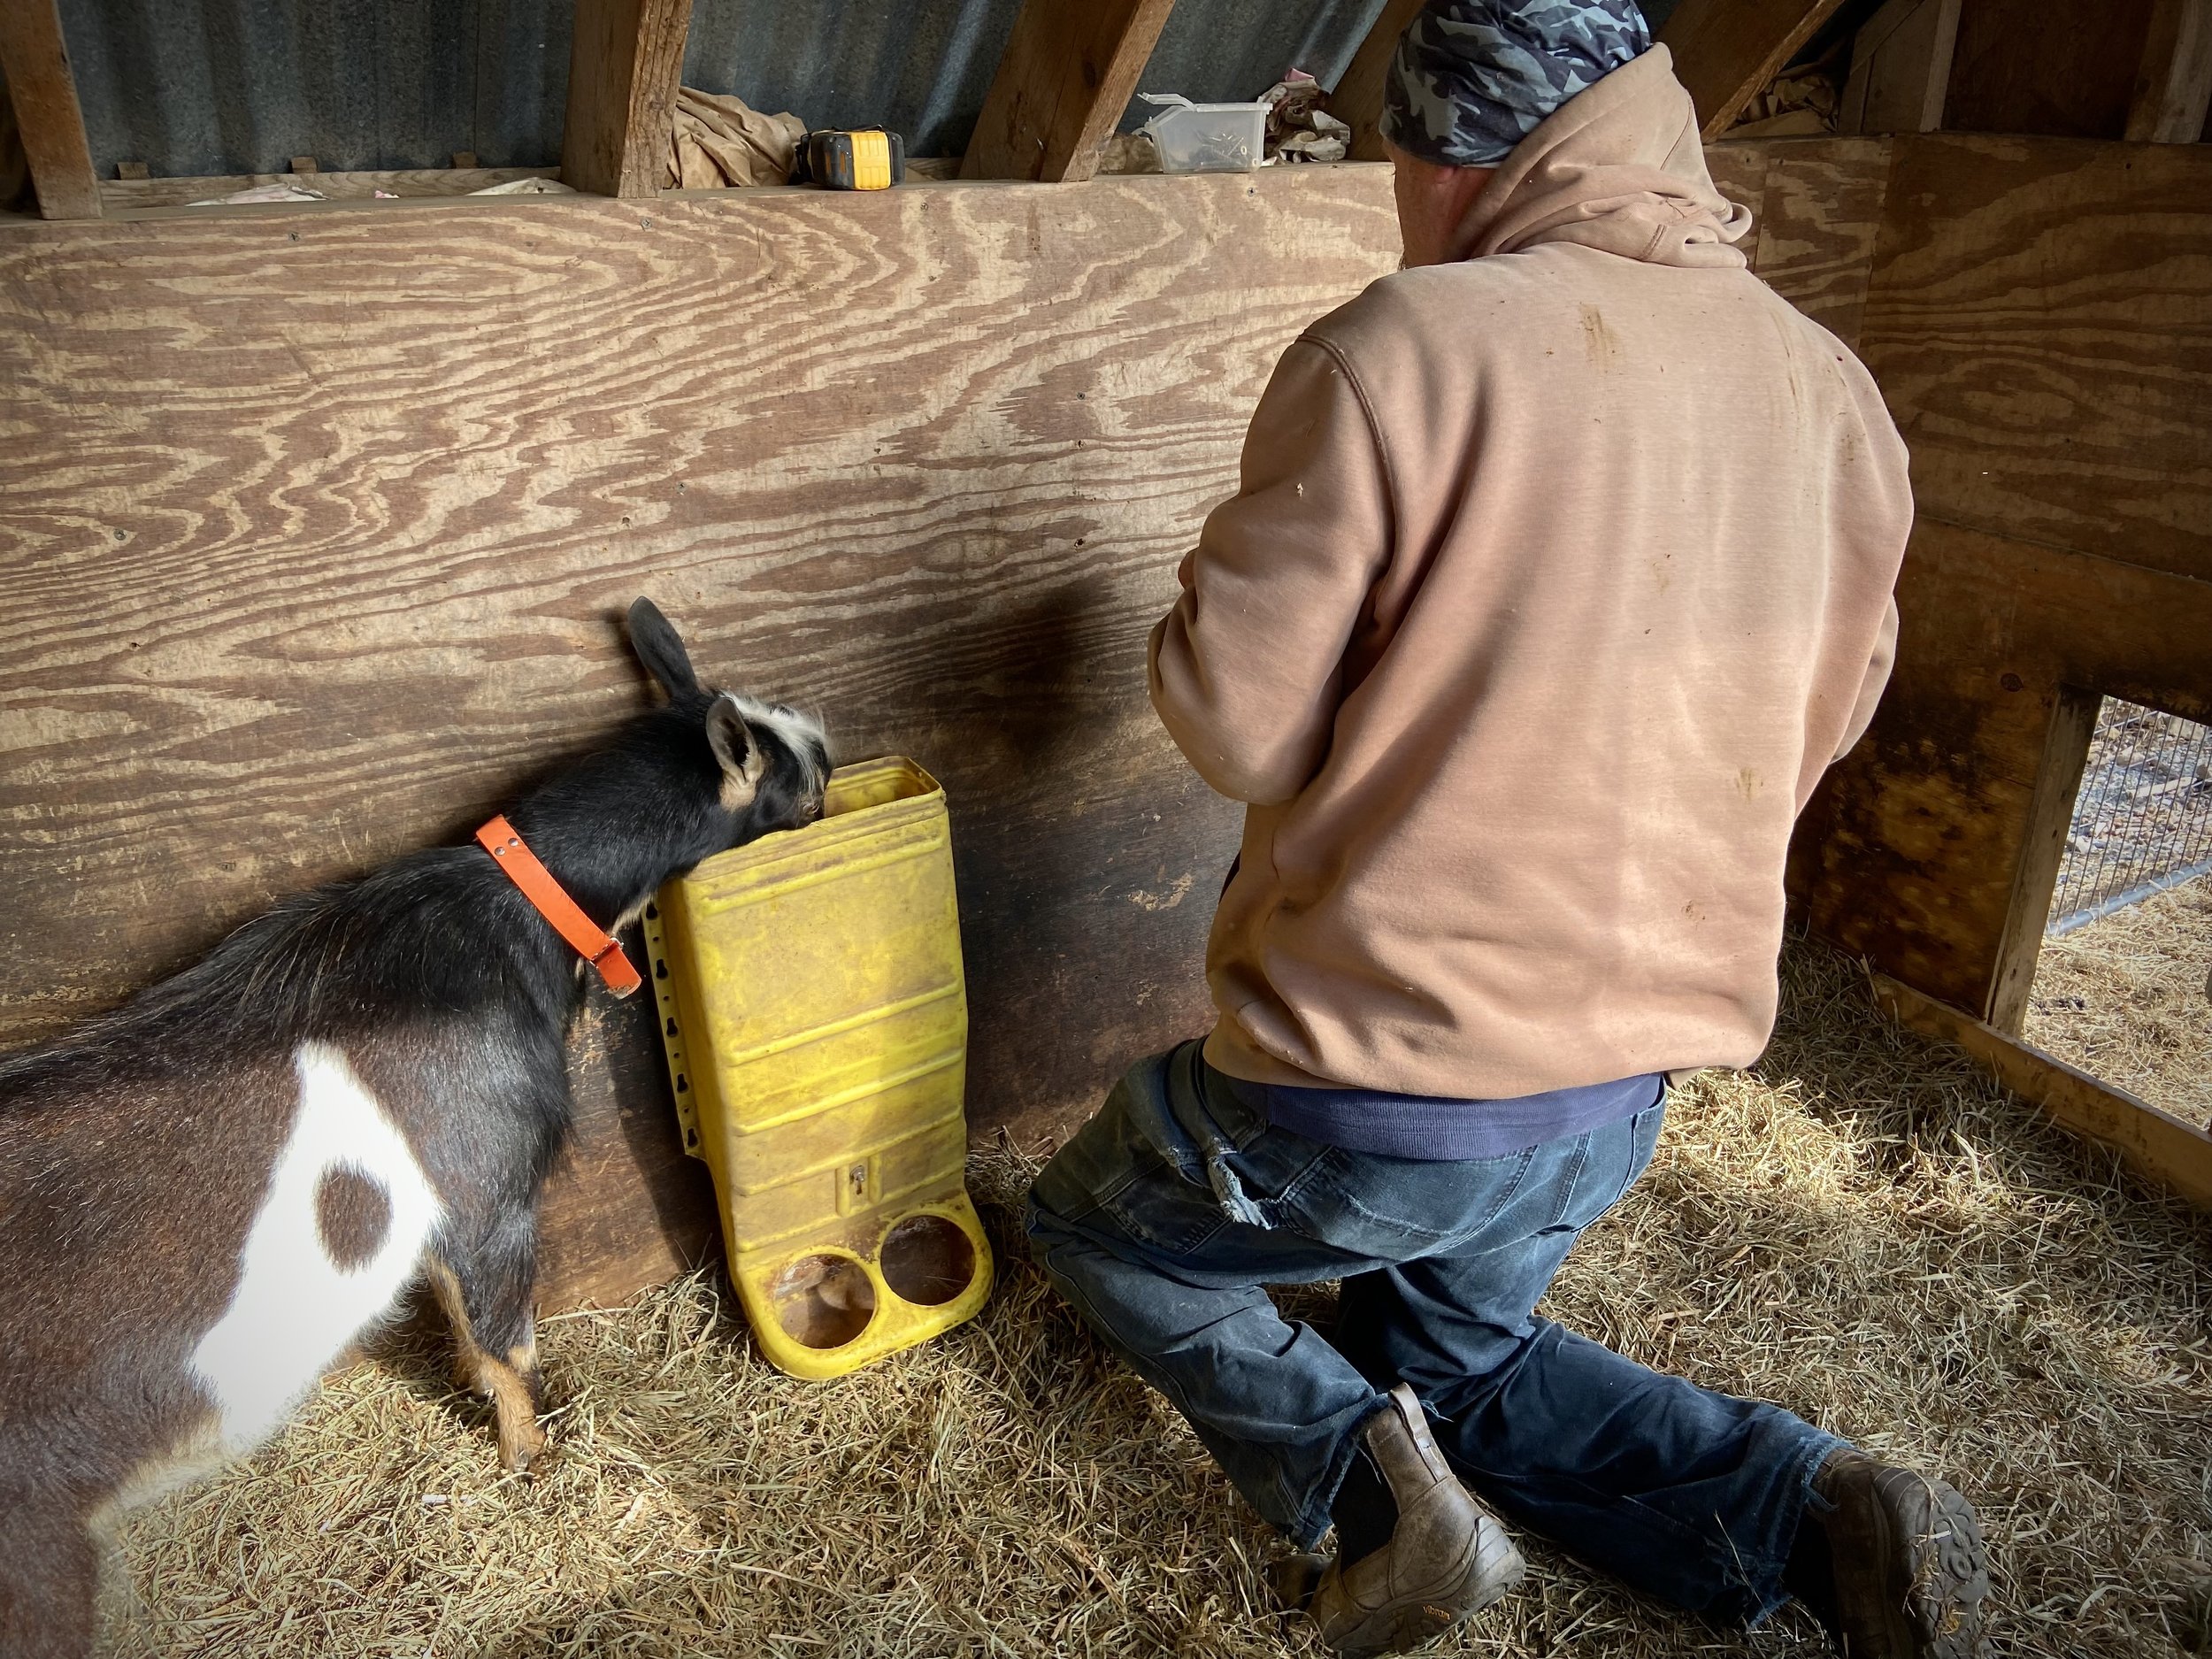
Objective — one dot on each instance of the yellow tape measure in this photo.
(866, 160)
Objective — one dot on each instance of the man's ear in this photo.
(742, 759)
(661, 649)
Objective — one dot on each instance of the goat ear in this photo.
(736, 747)
(654, 639)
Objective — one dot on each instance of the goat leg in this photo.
(486, 1292)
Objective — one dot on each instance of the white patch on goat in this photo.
(294, 1310)
(799, 732)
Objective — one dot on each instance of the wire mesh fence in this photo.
(2143, 819)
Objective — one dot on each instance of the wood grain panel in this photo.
(41, 86)
(318, 524)
(1820, 213)
(320, 519)
(2041, 321)
(1911, 853)
(1063, 82)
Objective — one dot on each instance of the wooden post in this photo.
(36, 64)
(1067, 75)
(1901, 67)
(2050, 815)
(1357, 99)
(1726, 52)
(2174, 86)
(624, 62)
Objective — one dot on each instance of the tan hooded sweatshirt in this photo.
(1556, 579)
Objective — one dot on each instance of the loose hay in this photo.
(2128, 998)
(1863, 1228)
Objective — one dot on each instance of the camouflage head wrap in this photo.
(1473, 77)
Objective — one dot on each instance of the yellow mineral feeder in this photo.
(816, 1019)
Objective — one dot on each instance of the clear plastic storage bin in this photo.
(1206, 137)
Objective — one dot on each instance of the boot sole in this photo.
(1409, 1622)
(1943, 1601)
(1926, 1603)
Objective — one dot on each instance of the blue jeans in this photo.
(1162, 1218)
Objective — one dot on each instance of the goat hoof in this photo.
(533, 1456)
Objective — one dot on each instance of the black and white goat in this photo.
(206, 1196)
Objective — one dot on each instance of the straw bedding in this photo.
(2128, 998)
(1862, 1228)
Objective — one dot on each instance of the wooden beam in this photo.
(124, 196)
(36, 63)
(624, 63)
(1357, 99)
(2173, 88)
(2050, 816)
(1901, 68)
(1725, 51)
(2156, 1145)
(2028, 66)
(1066, 76)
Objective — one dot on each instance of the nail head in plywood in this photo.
(35, 64)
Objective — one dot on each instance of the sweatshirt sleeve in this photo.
(1877, 677)
(1246, 670)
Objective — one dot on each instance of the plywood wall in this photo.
(317, 525)
(2039, 313)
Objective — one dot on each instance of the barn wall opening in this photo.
(2122, 984)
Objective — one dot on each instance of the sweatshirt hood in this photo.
(1619, 167)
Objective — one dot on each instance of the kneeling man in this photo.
(1559, 571)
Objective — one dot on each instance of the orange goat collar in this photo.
(538, 886)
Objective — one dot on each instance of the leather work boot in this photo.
(1904, 1573)
(1448, 1557)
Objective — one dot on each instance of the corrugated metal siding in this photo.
(242, 86)
(923, 69)
(920, 69)
(1224, 51)
(194, 87)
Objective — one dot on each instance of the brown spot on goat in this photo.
(352, 1214)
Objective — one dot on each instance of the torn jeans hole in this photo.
(1228, 1191)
